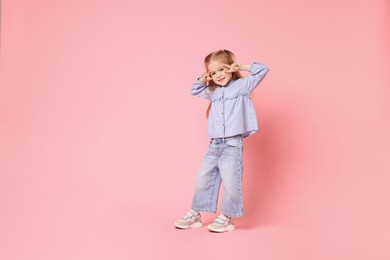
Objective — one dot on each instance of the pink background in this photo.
(100, 140)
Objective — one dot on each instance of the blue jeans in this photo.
(222, 163)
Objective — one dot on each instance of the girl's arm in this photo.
(257, 71)
(199, 88)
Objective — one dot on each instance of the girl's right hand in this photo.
(205, 77)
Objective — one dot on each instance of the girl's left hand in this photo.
(233, 67)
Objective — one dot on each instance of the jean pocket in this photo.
(234, 143)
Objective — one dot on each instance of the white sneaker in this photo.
(189, 220)
(221, 224)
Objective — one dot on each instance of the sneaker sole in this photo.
(221, 230)
(192, 226)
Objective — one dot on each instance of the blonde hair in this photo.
(226, 57)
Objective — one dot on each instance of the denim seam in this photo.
(212, 195)
(204, 210)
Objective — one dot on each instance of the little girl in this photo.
(231, 117)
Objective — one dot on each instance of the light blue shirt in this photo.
(232, 111)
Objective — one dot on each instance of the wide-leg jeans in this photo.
(222, 163)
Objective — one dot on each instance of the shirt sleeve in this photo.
(258, 72)
(200, 89)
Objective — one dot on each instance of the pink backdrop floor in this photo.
(100, 140)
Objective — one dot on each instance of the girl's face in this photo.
(218, 72)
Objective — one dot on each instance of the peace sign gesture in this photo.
(235, 67)
(205, 77)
